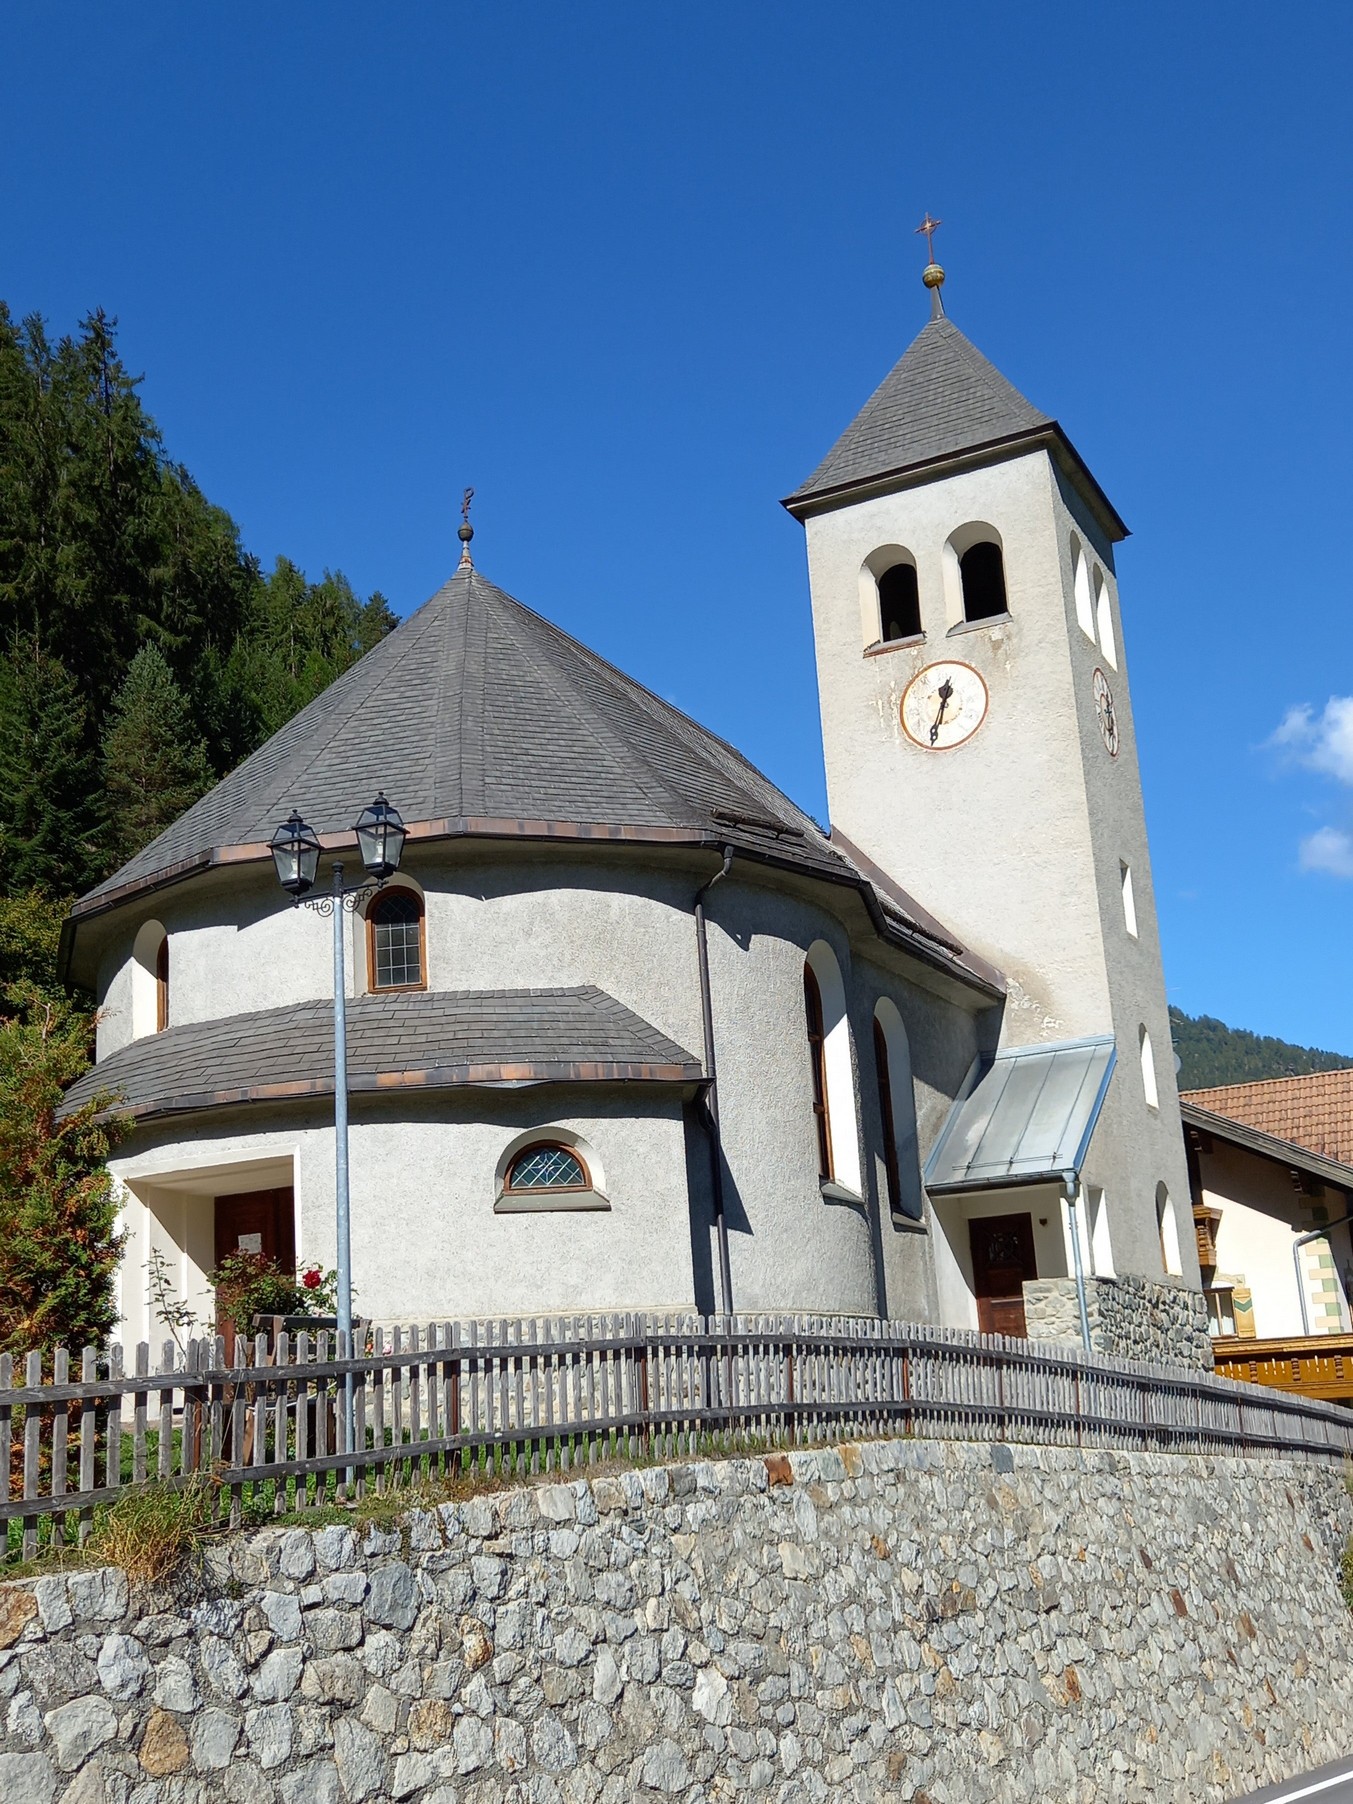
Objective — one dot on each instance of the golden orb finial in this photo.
(465, 532)
(932, 275)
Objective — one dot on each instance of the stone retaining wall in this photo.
(902, 1620)
(1130, 1318)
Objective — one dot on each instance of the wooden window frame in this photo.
(162, 985)
(393, 989)
(891, 1170)
(817, 1049)
(540, 1146)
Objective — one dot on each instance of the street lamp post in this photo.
(296, 854)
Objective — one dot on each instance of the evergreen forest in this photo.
(145, 653)
(1212, 1053)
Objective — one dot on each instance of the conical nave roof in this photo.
(477, 716)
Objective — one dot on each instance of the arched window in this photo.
(149, 980)
(1085, 607)
(394, 941)
(817, 1052)
(1104, 620)
(162, 986)
(546, 1166)
(833, 1071)
(899, 603)
(897, 1112)
(1169, 1231)
(1149, 1089)
(982, 570)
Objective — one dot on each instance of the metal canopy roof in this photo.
(1028, 1118)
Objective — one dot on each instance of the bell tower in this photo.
(978, 733)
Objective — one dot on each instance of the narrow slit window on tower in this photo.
(1149, 1089)
(1104, 621)
(1085, 607)
(817, 1051)
(162, 985)
(983, 573)
(899, 603)
(1129, 905)
(891, 1171)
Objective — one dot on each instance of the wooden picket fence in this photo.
(267, 1430)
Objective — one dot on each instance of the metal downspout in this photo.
(712, 1085)
(1071, 1183)
(1305, 1240)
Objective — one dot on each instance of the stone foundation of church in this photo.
(930, 1622)
(1130, 1318)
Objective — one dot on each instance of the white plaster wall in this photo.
(543, 919)
(1261, 1215)
(426, 1242)
(1016, 838)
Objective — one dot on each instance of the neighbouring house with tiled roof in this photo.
(1271, 1180)
(627, 1029)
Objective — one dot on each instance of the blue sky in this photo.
(629, 271)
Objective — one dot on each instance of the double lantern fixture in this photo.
(296, 854)
(380, 840)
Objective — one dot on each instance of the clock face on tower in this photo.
(943, 705)
(1108, 720)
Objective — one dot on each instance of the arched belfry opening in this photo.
(982, 572)
(899, 603)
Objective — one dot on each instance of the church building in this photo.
(628, 1030)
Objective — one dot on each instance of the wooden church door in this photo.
(255, 1221)
(1002, 1259)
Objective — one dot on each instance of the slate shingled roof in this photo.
(430, 1040)
(476, 715)
(1314, 1111)
(942, 398)
(477, 709)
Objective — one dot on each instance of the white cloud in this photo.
(1323, 742)
(1328, 850)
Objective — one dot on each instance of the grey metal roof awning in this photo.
(1028, 1118)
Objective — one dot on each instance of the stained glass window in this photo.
(396, 941)
(547, 1168)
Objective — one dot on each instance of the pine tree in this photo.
(154, 763)
(50, 812)
(59, 1243)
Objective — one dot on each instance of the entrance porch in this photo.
(181, 1223)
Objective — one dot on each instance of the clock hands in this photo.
(945, 692)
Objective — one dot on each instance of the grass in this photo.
(153, 1529)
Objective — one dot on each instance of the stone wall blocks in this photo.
(269, 1728)
(27, 1779)
(51, 1599)
(348, 1587)
(317, 1782)
(78, 1728)
(98, 1596)
(335, 1547)
(332, 1631)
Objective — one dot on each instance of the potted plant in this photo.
(254, 1294)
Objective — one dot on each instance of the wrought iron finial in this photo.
(465, 532)
(932, 275)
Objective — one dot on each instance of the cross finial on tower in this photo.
(932, 275)
(465, 532)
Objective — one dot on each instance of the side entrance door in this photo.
(256, 1221)
(1002, 1258)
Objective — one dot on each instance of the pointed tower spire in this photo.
(465, 532)
(932, 275)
